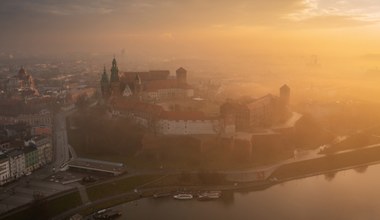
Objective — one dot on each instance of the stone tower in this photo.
(285, 95)
(137, 86)
(181, 75)
(105, 85)
(114, 79)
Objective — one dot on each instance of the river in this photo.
(349, 195)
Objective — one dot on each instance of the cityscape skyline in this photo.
(108, 105)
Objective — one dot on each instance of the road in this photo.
(61, 147)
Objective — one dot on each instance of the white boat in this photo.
(209, 195)
(183, 196)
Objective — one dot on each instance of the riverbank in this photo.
(123, 189)
(328, 163)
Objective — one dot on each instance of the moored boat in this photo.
(183, 196)
(210, 195)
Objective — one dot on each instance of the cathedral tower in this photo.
(181, 75)
(285, 95)
(114, 79)
(105, 85)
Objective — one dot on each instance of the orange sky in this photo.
(193, 28)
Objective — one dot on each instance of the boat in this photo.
(183, 196)
(102, 211)
(204, 196)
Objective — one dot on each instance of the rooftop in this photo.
(164, 84)
(98, 165)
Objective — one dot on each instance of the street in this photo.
(24, 189)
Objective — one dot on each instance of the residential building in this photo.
(17, 163)
(259, 113)
(5, 172)
(43, 118)
(44, 149)
(156, 119)
(187, 123)
(5, 145)
(31, 158)
(21, 85)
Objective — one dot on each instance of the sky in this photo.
(192, 28)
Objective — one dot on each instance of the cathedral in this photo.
(111, 87)
(21, 84)
(151, 86)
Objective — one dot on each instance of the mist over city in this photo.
(188, 109)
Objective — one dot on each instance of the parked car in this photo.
(89, 179)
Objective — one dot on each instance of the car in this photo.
(89, 179)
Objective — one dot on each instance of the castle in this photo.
(151, 86)
(139, 95)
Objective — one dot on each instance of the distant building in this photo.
(285, 96)
(167, 90)
(44, 118)
(17, 163)
(10, 131)
(21, 84)
(115, 87)
(105, 85)
(156, 119)
(152, 75)
(111, 87)
(31, 158)
(154, 85)
(5, 172)
(44, 148)
(5, 145)
(187, 123)
(259, 113)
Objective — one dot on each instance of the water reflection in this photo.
(350, 195)
(361, 169)
(228, 198)
(330, 176)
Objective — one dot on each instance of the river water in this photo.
(347, 195)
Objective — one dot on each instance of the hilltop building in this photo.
(110, 87)
(259, 113)
(156, 119)
(151, 86)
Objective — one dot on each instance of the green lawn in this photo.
(48, 209)
(117, 187)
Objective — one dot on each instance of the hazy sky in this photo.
(192, 27)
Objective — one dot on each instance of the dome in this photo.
(22, 73)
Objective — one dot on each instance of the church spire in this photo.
(104, 76)
(104, 84)
(114, 71)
